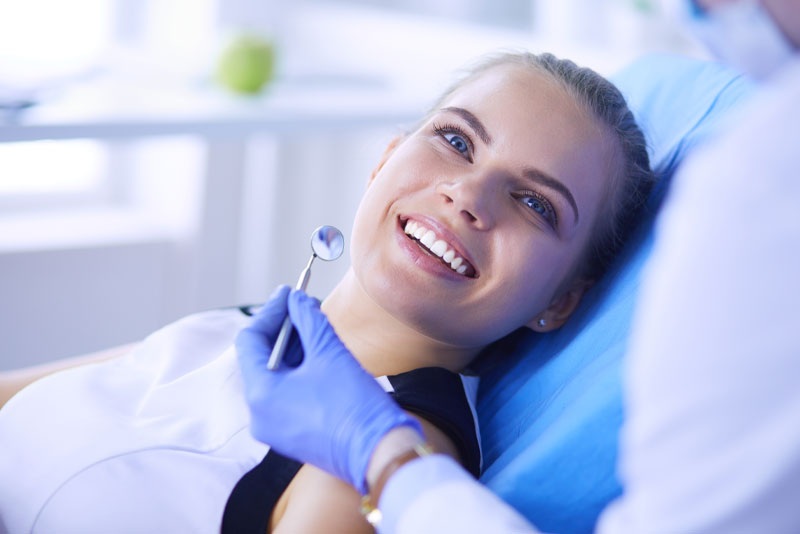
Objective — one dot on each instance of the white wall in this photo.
(63, 302)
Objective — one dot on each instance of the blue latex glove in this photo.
(328, 411)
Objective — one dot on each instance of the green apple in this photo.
(246, 64)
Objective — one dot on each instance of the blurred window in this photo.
(41, 173)
(42, 41)
(46, 46)
(513, 14)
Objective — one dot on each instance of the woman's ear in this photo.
(560, 309)
(394, 143)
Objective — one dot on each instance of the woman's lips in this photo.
(428, 242)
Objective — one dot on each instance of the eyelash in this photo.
(444, 129)
(551, 213)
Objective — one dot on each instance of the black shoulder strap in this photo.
(438, 395)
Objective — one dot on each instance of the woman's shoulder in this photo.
(445, 399)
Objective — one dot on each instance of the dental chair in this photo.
(550, 405)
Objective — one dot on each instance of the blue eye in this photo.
(536, 205)
(456, 138)
(458, 142)
(539, 205)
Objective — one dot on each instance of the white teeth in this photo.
(436, 246)
(428, 238)
(439, 248)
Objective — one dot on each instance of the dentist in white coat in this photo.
(711, 441)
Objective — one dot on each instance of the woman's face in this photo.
(508, 175)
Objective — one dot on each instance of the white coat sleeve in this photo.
(711, 440)
(434, 494)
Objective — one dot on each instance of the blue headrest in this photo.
(550, 411)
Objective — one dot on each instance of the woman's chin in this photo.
(431, 319)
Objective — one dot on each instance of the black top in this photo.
(433, 393)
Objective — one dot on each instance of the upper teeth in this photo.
(437, 246)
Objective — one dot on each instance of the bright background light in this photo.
(51, 167)
(44, 40)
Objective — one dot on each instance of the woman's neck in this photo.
(380, 342)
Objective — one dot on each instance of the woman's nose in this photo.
(471, 198)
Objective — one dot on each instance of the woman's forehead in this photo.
(520, 106)
(509, 95)
(507, 78)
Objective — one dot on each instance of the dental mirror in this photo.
(327, 243)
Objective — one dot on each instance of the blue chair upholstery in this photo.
(550, 409)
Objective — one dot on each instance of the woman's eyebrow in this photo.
(473, 121)
(548, 181)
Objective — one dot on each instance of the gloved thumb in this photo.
(254, 343)
(269, 318)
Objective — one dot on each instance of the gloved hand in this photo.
(328, 411)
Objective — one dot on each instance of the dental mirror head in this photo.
(327, 243)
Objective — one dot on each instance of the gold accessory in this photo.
(369, 502)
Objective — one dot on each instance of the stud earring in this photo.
(542, 321)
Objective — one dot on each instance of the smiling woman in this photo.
(531, 169)
(496, 212)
